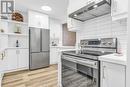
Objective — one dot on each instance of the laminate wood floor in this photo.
(46, 77)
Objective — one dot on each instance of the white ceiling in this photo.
(59, 7)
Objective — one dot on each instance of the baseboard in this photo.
(2, 75)
(1, 78)
(15, 70)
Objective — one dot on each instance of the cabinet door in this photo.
(54, 55)
(44, 21)
(12, 59)
(33, 21)
(3, 62)
(119, 9)
(3, 41)
(38, 20)
(112, 75)
(76, 5)
(23, 58)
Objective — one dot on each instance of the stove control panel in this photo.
(102, 42)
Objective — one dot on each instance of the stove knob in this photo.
(109, 43)
(86, 43)
(82, 43)
(104, 43)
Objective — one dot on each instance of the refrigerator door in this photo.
(45, 40)
(35, 38)
(39, 60)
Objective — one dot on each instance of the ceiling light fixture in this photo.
(75, 15)
(46, 8)
(95, 6)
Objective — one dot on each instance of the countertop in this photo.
(66, 50)
(114, 58)
(67, 47)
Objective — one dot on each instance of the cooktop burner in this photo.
(93, 48)
(87, 54)
(94, 53)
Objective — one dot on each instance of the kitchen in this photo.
(94, 31)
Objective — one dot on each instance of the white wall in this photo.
(128, 55)
(56, 30)
(103, 27)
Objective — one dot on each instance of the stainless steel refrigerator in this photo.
(39, 40)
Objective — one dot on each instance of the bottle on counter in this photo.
(17, 43)
(78, 48)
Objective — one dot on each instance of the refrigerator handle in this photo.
(30, 48)
(41, 40)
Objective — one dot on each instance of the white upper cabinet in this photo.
(113, 75)
(76, 4)
(72, 24)
(38, 20)
(119, 9)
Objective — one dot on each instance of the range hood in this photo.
(92, 10)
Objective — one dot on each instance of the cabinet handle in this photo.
(104, 72)
(3, 55)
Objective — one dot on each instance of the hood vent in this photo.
(92, 10)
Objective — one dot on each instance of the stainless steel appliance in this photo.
(39, 40)
(82, 68)
(94, 8)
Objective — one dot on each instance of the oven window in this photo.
(76, 75)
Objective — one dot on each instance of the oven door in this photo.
(79, 72)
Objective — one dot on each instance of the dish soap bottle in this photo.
(17, 43)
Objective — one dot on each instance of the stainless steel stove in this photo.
(81, 68)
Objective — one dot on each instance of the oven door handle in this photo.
(92, 64)
(70, 59)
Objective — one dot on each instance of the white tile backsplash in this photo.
(104, 27)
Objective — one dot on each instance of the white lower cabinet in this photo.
(23, 58)
(113, 75)
(54, 55)
(12, 59)
(2, 66)
(17, 59)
